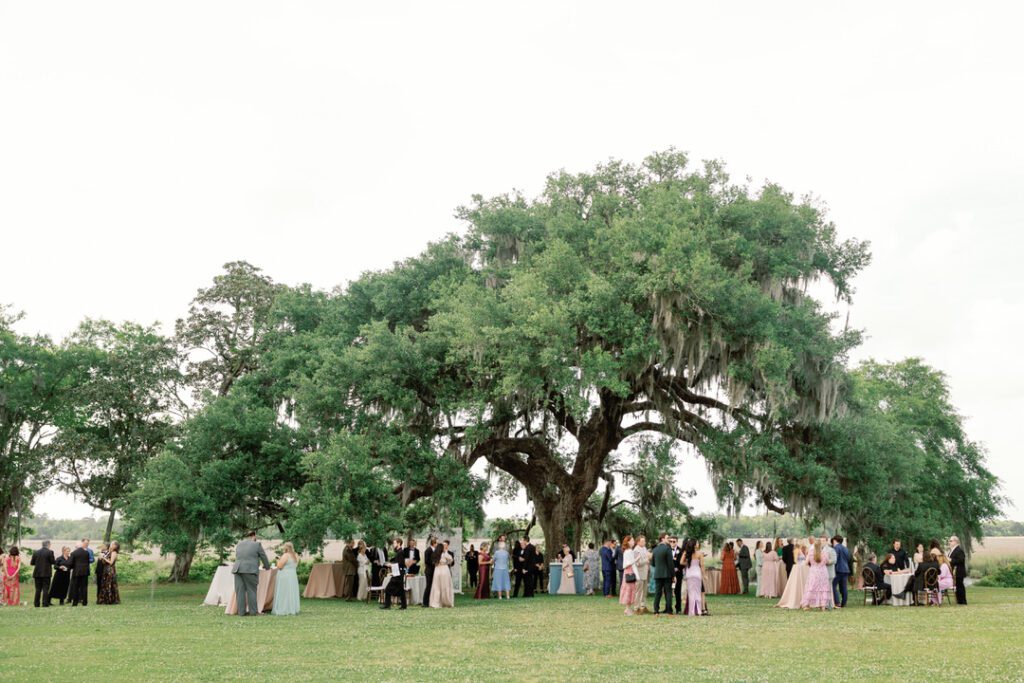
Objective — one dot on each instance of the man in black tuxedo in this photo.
(787, 555)
(411, 557)
(518, 567)
(529, 560)
(677, 569)
(43, 561)
(428, 568)
(902, 560)
(958, 560)
(79, 560)
(538, 569)
(396, 584)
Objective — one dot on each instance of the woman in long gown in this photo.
(758, 563)
(768, 574)
(693, 560)
(794, 592)
(627, 592)
(568, 584)
(442, 593)
(362, 572)
(286, 590)
(100, 571)
(818, 590)
(782, 576)
(501, 582)
(61, 576)
(730, 583)
(483, 584)
(591, 569)
(11, 569)
(108, 593)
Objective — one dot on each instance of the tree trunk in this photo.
(5, 518)
(561, 524)
(110, 527)
(183, 565)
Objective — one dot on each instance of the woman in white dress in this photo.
(758, 563)
(442, 593)
(568, 585)
(363, 572)
(794, 593)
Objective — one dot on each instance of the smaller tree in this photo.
(118, 415)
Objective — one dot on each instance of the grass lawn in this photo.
(172, 637)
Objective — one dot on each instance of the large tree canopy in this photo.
(632, 300)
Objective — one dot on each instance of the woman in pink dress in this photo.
(945, 576)
(11, 570)
(627, 594)
(768, 581)
(818, 589)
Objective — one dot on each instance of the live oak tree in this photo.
(633, 300)
(638, 300)
(119, 414)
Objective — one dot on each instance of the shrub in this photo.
(1006, 576)
(135, 571)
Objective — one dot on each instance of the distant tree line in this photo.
(572, 347)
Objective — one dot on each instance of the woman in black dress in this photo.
(108, 593)
(101, 569)
(61, 576)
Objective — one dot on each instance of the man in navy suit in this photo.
(844, 564)
(617, 581)
(607, 568)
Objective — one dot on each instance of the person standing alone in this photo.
(249, 554)
(43, 561)
(843, 565)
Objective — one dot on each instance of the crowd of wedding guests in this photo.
(815, 573)
(64, 578)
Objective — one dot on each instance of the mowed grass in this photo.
(170, 636)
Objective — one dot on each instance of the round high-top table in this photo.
(324, 581)
(899, 583)
(221, 588)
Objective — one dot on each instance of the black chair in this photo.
(876, 593)
(929, 587)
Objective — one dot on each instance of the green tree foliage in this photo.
(36, 379)
(119, 413)
(237, 459)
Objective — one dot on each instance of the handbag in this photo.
(630, 577)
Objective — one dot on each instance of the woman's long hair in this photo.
(688, 550)
(817, 552)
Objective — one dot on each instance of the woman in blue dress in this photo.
(286, 591)
(501, 582)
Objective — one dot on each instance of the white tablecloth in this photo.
(415, 585)
(221, 588)
(899, 583)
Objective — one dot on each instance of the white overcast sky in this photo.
(143, 145)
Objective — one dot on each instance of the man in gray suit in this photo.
(248, 557)
(744, 564)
